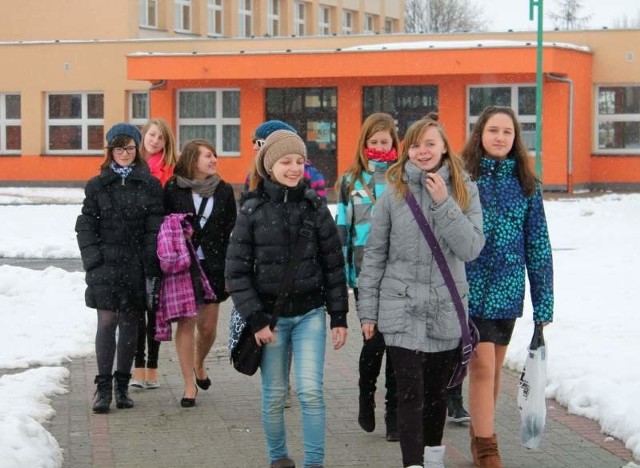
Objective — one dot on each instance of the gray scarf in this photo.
(204, 188)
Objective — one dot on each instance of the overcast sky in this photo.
(514, 14)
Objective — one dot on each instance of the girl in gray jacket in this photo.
(403, 292)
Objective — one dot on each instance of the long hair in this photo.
(169, 155)
(395, 174)
(186, 165)
(377, 122)
(120, 141)
(473, 150)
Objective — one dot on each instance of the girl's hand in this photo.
(338, 337)
(265, 335)
(368, 330)
(436, 187)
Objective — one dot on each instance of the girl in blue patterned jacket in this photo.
(516, 234)
(358, 189)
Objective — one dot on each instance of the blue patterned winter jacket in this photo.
(516, 234)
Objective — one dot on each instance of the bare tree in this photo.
(568, 15)
(627, 22)
(442, 16)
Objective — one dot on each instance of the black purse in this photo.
(244, 352)
(470, 335)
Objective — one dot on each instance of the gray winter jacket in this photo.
(400, 286)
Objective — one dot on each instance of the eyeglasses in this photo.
(258, 141)
(118, 150)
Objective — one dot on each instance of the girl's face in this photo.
(153, 140)
(124, 156)
(288, 170)
(498, 136)
(380, 141)
(426, 153)
(207, 163)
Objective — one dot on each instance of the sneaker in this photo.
(137, 383)
(151, 384)
(457, 413)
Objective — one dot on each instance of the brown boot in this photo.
(474, 446)
(488, 454)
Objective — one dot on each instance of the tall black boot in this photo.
(391, 420)
(455, 410)
(122, 390)
(103, 395)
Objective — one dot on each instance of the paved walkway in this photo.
(224, 430)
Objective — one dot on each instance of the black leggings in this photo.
(146, 336)
(126, 322)
(422, 380)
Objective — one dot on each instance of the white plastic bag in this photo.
(531, 399)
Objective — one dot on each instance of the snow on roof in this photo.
(486, 43)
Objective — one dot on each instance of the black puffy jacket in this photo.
(266, 230)
(117, 257)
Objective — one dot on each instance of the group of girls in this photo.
(485, 209)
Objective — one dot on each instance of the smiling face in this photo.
(427, 151)
(124, 155)
(153, 140)
(207, 163)
(498, 136)
(288, 170)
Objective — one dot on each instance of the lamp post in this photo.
(539, 80)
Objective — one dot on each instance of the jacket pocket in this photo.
(392, 303)
(445, 324)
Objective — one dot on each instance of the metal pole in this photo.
(539, 82)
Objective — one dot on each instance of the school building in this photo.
(58, 97)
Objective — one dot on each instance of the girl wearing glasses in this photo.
(116, 231)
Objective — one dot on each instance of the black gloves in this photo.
(152, 288)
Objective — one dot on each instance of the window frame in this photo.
(7, 122)
(369, 24)
(300, 18)
(179, 16)
(324, 20)
(84, 122)
(215, 10)
(138, 121)
(514, 101)
(347, 22)
(245, 18)
(274, 18)
(218, 121)
(613, 118)
(143, 20)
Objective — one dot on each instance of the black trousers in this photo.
(146, 337)
(422, 380)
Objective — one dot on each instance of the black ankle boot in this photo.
(366, 413)
(103, 395)
(122, 390)
(391, 420)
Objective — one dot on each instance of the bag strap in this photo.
(305, 235)
(370, 194)
(196, 222)
(436, 250)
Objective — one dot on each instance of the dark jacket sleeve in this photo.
(88, 228)
(332, 260)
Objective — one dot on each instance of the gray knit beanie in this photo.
(277, 145)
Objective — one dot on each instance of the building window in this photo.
(388, 26)
(369, 24)
(215, 16)
(324, 23)
(149, 13)
(75, 123)
(273, 18)
(183, 15)
(347, 22)
(213, 114)
(521, 98)
(10, 124)
(618, 119)
(245, 18)
(299, 18)
(138, 108)
(407, 104)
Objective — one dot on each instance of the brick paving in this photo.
(224, 430)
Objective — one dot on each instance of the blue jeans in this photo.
(306, 336)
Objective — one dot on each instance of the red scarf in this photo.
(382, 156)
